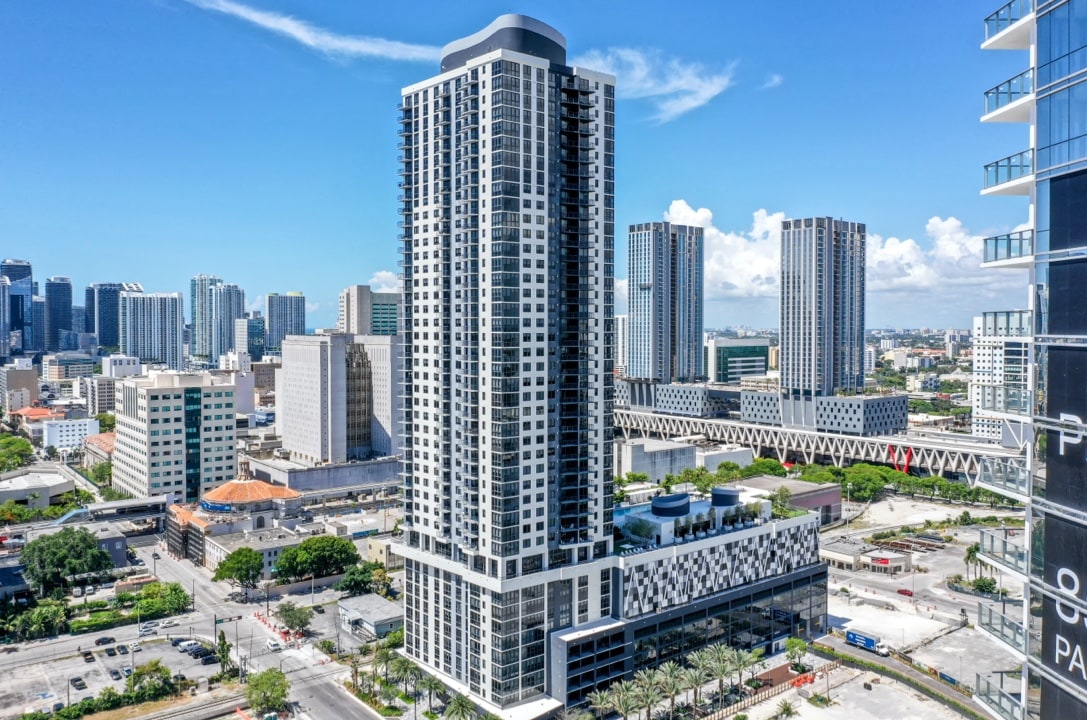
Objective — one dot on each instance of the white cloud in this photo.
(622, 286)
(674, 86)
(384, 281)
(738, 264)
(312, 307)
(320, 39)
(775, 80)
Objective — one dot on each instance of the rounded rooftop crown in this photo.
(519, 33)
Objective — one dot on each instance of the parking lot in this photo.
(38, 686)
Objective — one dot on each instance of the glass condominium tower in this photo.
(507, 191)
(1049, 633)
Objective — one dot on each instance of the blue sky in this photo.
(151, 140)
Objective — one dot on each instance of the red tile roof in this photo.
(247, 491)
(102, 441)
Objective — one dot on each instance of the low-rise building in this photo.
(66, 366)
(370, 616)
(822, 498)
(382, 549)
(653, 457)
(863, 415)
(67, 434)
(33, 488)
(98, 449)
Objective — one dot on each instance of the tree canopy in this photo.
(317, 556)
(51, 559)
(295, 617)
(107, 422)
(267, 690)
(360, 579)
(14, 452)
(243, 567)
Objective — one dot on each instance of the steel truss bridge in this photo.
(919, 454)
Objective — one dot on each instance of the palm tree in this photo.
(693, 679)
(724, 664)
(602, 701)
(356, 660)
(971, 557)
(625, 698)
(430, 685)
(703, 660)
(388, 694)
(568, 713)
(670, 681)
(384, 658)
(785, 709)
(400, 668)
(645, 683)
(460, 708)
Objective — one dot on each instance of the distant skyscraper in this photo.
(202, 322)
(58, 311)
(21, 312)
(622, 344)
(665, 298)
(249, 334)
(226, 303)
(151, 326)
(363, 312)
(822, 307)
(284, 315)
(37, 324)
(79, 319)
(5, 318)
(103, 307)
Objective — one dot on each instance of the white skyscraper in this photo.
(622, 344)
(151, 327)
(508, 195)
(200, 300)
(665, 291)
(386, 354)
(226, 303)
(323, 399)
(284, 315)
(364, 312)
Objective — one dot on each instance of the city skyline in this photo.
(201, 135)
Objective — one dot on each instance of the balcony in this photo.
(1010, 27)
(1007, 401)
(998, 551)
(1007, 323)
(1006, 477)
(1011, 100)
(997, 700)
(1003, 628)
(1013, 175)
(1012, 250)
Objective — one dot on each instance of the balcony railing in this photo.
(1010, 400)
(1007, 16)
(1006, 247)
(1007, 323)
(1003, 627)
(1002, 552)
(1009, 91)
(1000, 701)
(1010, 475)
(1011, 168)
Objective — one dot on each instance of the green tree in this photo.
(50, 452)
(601, 701)
(290, 565)
(430, 685)
(785, 709)
(319, 556)
(295, 617)
(222, 651)
(383, 659)
(107, 422)
(971, 557)
(108, 699)
(102, 473)
(51, 559)
(795, 649)
(359, 578)
(670, 681)
(267, 691)
(764, 466)
(625, 700)
(150, 681)
(983, 584)
(243, 567)
(460, 708)
(379, 582)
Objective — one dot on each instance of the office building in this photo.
(58, 311)
(363, 312)
(729, 359)
(67, 365)
(249, 335)
(1000, 393)
(1046, 634)
(323, 399)
(6, 339)
(67, 434)
(665, 298)
(175, 433)
(121, 366)
(386, 355)
(21, 275)
(99, 392)
(284, 315)
(102, 302)
(870, 356)
(226, 304)
(150, 326)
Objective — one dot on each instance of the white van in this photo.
(187, 646)
(274, 645)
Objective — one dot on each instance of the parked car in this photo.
(905, 591)
(77, 592)
(319, 609)
(122, 650)
(135, 647)
(144, 632)
(127, 671)
(105, 640)
(88, 656)
(202, 652)
(115, 674)
(274, 645)
(111, 652)
(209, 659)
(178, 677)
(169, 623)
(155, 556)
(91, 590)
(78, 683)
(178, 640)
(57, 707)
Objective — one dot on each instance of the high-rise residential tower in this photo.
(364, 312)
(622, 344)
(249, 335)
(151, 326)
(226, 303)
(202, 322)
(1044, 388)
(665, 291)
(58, 311)
(508, 195)
(103, 311)
(20, 314)
(284, 315)
(822, 306)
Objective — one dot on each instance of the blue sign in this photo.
(216, 507)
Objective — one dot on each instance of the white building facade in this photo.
(152, 327)
(283, 315)
(67, 434)
(175, 433)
